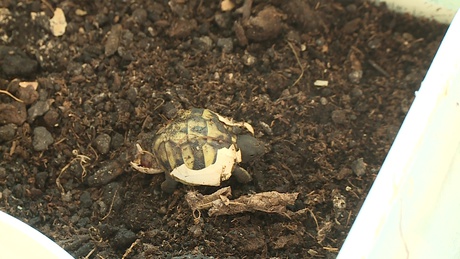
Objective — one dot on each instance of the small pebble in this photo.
(42, 139)
(139, 15)
(338, 200)
(266, 128)
(85, 200)
(106, 173)
(248, 59)
(3, 174)
(293, 36)
(40, 179)
(113, 40)
(169, 110)
(339, 116)
(127, 37)
(355, 76)
(37, 109)
(196, 230)
(351, 26)
(7, 132)
(162, 210)
(359, 167)
(408, 37)
(124, 238)
(18, 190)
(323, 101)
(102, 143)
(182, 28)
(343, 173)
(223, 20)
(98, 98)
(356, 93)
(15, 63)
(83, 222)
(203, 43)
(51, 118)
(83, 250)
(267, 24)
(131, 94)
(117, 141)
(195, 256)
(101, 207)
(345, 99)
(374, 43)
(405, 105)
(226, 44)
(351, 8)
(34, 193)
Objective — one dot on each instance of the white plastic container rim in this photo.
(19, 240)
(440, 10)
(413, 207)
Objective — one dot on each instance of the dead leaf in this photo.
(218, 203)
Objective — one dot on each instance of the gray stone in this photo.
(85, 199)
(15, 63)
(339, 116)
(226, 44)
(38, 109)
(359, 167)
(42, 139)
(124, 238)
(102, 143)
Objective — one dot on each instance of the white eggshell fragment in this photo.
(212, 175)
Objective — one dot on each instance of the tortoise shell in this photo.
(193, 139)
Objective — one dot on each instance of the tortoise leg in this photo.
(241, 175)
(169, 185)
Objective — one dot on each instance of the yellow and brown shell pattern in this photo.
(192, 139)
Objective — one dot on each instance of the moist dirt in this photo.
(325, 84)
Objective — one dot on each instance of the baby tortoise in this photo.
(199, 147)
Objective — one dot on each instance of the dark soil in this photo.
(121, 71)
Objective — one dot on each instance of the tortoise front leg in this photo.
(241, 175)
(169, 185)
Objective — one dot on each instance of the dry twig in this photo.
(298, 62)
(111, 205)
(10, 95)
(82, 159)
(130, 249)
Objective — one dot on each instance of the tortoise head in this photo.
(145, 162)
(250, 147)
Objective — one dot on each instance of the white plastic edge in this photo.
(440, 10)
(412, 209)
(19, 240)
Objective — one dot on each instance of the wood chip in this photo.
(227, 5)
(58, 23)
